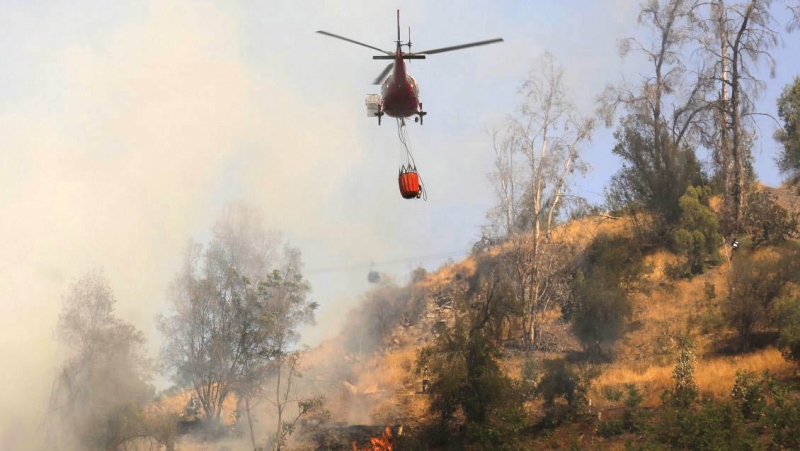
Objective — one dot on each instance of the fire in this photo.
(378, 443)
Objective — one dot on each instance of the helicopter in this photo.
(399, 96)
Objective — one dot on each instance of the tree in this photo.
(743, 37)
(463, 362)
(789, 135)
(685, 391)
(99, 396)
(548, 133)
(644, 184)
(539, 277)
(546, 137)
(216, 333)
(794, 11)
(664, 118)
(237, 305)
(200, 335)
(284, 296)
(506, 180)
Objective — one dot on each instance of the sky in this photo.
(126, 126)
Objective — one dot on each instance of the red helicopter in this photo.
(399, 96)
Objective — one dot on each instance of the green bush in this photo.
(783, 416)
(713, 426)
(530, 371)
(789, 340)
(766, 221)
(612, 394)
(465, 375)
(610, 428)
(564, 390)
(697, 237)
(756, 282)
(685, 391)
(600, 299)
(633, 419)
(748, 395)
(560, 380)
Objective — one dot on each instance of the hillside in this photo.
(371, 377)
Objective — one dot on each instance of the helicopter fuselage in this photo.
(400, 92)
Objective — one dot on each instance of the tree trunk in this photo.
(723, 144)
(537, 193)
(510, 216)
(250, 421)
(280, 409)
(738, 153)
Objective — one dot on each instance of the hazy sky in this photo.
(125, 126)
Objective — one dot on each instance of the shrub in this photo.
(788, 310)
(685, 391)
(748, 395)
(610, 428)
(600, 292)
(564, 390)
(767, 222)
(755, 283)
(697, 237)
(612, 394)
(530, 372)
(633, 420)
(465, 375)
(782, 417)
(714, 426)
(560, 380)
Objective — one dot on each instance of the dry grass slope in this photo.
(645, 356)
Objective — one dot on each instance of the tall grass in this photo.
(714, 376)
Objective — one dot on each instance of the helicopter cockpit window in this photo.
(386, 84)
(413, 84)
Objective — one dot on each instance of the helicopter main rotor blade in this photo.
(354, 42)
(383, 74)
(458, 47)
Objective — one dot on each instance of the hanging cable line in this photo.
(386, 262)
(411, 186)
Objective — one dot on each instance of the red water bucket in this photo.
(409, 185)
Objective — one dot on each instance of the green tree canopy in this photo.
(789, 135)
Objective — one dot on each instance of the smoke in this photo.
(125, 129)
(127, 149)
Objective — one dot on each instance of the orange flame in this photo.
(381, 443)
